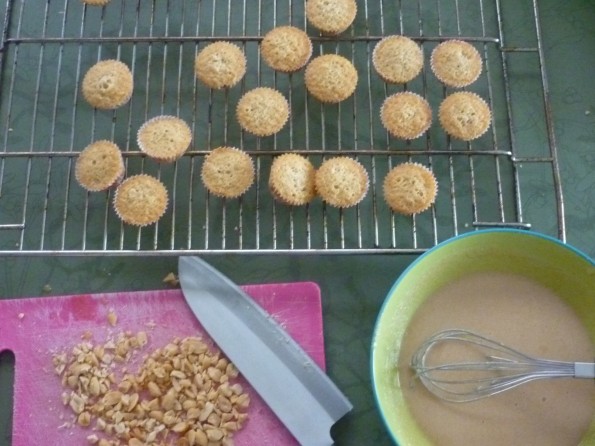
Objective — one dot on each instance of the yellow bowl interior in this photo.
(549, 262)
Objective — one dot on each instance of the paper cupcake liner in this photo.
(418, 210)
(393, 131)
(448, 82)
(326, 198)
(139, 220)
(476, 135)
(280, 196)
(114, 105)
(212, 79)
(295, 69)
(215, 191)
(325, 29)
(164, 157)
(310, 82)
(110, 184)
(376, 63)
(249, 126)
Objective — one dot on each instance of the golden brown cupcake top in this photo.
(410, 188)
(140, 200)
(262, 111)
(227, 172)
(164, 138)
(331, 78)
(291, 179)
(108, 84)
(96, 2)
(397, 59)
(99, 166)
(464, 115)
(341, 181)
(220, 65)
(286, 49)
(331, 16)
(456, 63)
(406, 115)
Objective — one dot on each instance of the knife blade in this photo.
(302, 396)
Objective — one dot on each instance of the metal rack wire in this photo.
(44, 123)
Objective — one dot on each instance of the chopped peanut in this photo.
(182, 390)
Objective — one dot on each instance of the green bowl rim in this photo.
(427, 253)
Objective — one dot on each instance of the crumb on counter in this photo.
(171, 279)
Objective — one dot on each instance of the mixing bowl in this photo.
(549, 262)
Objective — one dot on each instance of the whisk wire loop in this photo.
(502, 368)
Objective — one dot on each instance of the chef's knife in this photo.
(301, 395)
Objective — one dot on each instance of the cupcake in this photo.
(291, 180)
(330, 78)
(406, 115)
(99, 166)
(220, 65)
(96, 2)
(164, 138)
(331, 16)
(286, 49)
(262, 111)
(456, 63)
(397, 59)
(140, 200)
(341, 181)
(227, 172)
(464, 115)
(410, 188)
(108, 84)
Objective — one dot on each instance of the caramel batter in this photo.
(528, 317)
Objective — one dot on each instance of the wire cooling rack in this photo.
(47, 47)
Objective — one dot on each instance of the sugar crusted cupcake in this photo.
(262, 111)
(397, 59)
(341, 181)
(108, 84)
(220, 65)
(331, 78)
(164, 138)
(464, 115)
(406, 115)
(140, 200)
(227, 172)
(456, 63)
(286, 49)
(410, 188)
(331, 16)
(99, 166)
(291, 179)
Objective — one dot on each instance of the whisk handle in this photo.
(584, 370)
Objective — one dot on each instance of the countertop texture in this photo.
(355, 284)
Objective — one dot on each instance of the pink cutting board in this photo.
(35, 328)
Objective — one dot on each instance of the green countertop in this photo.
(356, 284)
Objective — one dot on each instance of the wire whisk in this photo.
(488, 368)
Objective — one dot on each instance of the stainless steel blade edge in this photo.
(295, 388)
